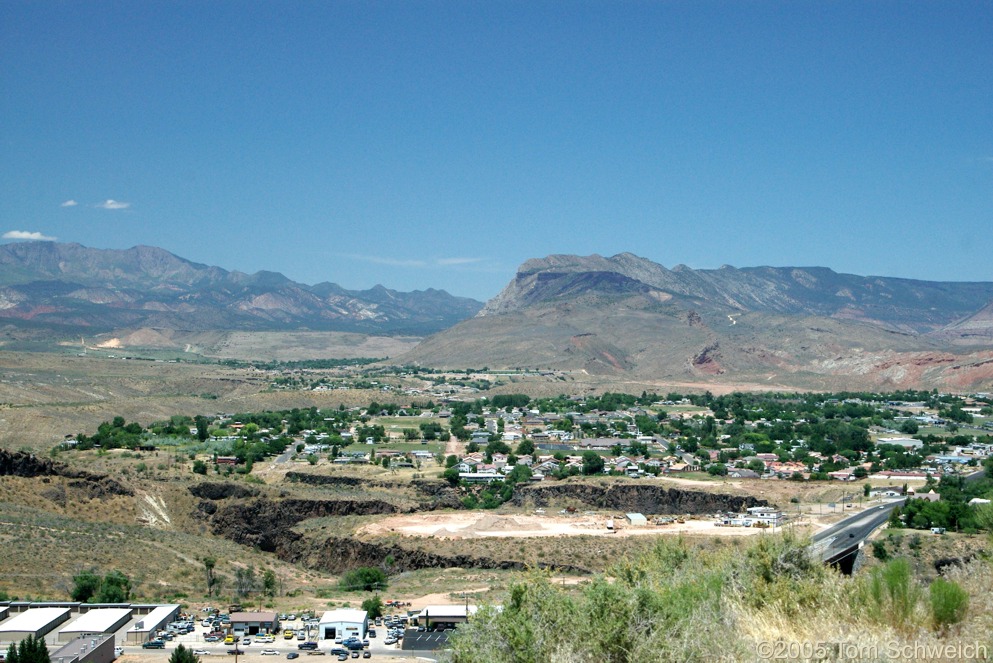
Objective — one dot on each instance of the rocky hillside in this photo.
(72, 286)
(780, 327)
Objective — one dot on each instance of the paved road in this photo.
(841, 536)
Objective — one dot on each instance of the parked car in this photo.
(118, 651)
(367, 654)
(270, 652)
(307, 645)
(293, 654)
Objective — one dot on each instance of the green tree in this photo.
(29, 650)
(244, 579)
(115, 588)
(269, 582)
(183, 655)
(373, 606)
(451, 475)
(86, 584)
(525, 447)
(199, 467)
(592, 463)
(364, 578)
(203, 431)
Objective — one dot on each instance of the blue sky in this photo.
(441, 144)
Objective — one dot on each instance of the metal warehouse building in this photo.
(343, 623)
(95, 622)
(34, 621)
(142, 631)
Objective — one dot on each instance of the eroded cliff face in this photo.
(88, 484)
(339, 554)
(210, 490)
(268, 524)
(645, 498)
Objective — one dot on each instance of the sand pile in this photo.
(496, 524)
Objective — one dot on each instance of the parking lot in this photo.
(282, 647)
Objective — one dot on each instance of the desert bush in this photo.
(949, 603)
(364, 578)
(890, 595)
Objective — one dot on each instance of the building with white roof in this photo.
(343, 623)
(36, 622)
(142, 630)
(94, 622)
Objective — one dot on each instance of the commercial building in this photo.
(96, 622)
(37, 622)
(343, 623)
(445, 616)
(253, 623)
(143, 629)
(98, 649)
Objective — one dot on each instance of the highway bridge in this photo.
(839, 544)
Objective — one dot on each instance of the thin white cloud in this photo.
(414, 263)
(113, 204)
(69, 203)
(24, 234)
(448, 262)
(392, 262)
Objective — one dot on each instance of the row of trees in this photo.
(90, 587)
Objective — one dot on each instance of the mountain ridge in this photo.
(807, 327)
(72, 286)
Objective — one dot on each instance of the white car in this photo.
(118, 651)
(201, 652)
(270, 652)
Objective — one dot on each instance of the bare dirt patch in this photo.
(482, 525)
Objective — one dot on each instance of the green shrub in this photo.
(892, 594)
(949, 603)
(364, 578)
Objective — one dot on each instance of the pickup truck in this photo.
(153, 644)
